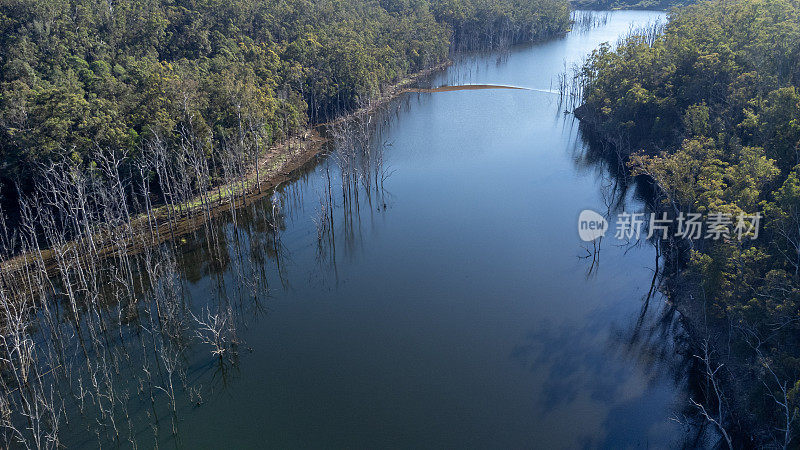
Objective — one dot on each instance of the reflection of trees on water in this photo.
(581, 372)
(354, 177)
(655, 341)
(581, 368)
(112, 348)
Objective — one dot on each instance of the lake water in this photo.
(454, 307)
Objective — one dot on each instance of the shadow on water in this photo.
(656, 341)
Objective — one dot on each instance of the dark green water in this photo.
(451, 309)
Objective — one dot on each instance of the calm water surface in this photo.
(455, 308)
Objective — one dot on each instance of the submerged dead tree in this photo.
(93, 307)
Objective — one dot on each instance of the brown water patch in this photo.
(465, 87)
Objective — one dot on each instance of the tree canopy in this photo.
(78, 75)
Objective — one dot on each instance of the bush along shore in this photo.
(706, 111)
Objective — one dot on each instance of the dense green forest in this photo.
(710, 112)
(82, 77)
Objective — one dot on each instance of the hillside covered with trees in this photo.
(709, 112)
(83, 77)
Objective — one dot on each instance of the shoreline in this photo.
(167, 222)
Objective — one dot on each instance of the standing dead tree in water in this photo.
(29, 396)
(572, 83)
(83, 220)
(360, 154)
(215, 329)
(646, 34)
(102, 234)
(322, 220)
(96, 313)
(584, 21)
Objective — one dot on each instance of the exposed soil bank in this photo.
(275, 168)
